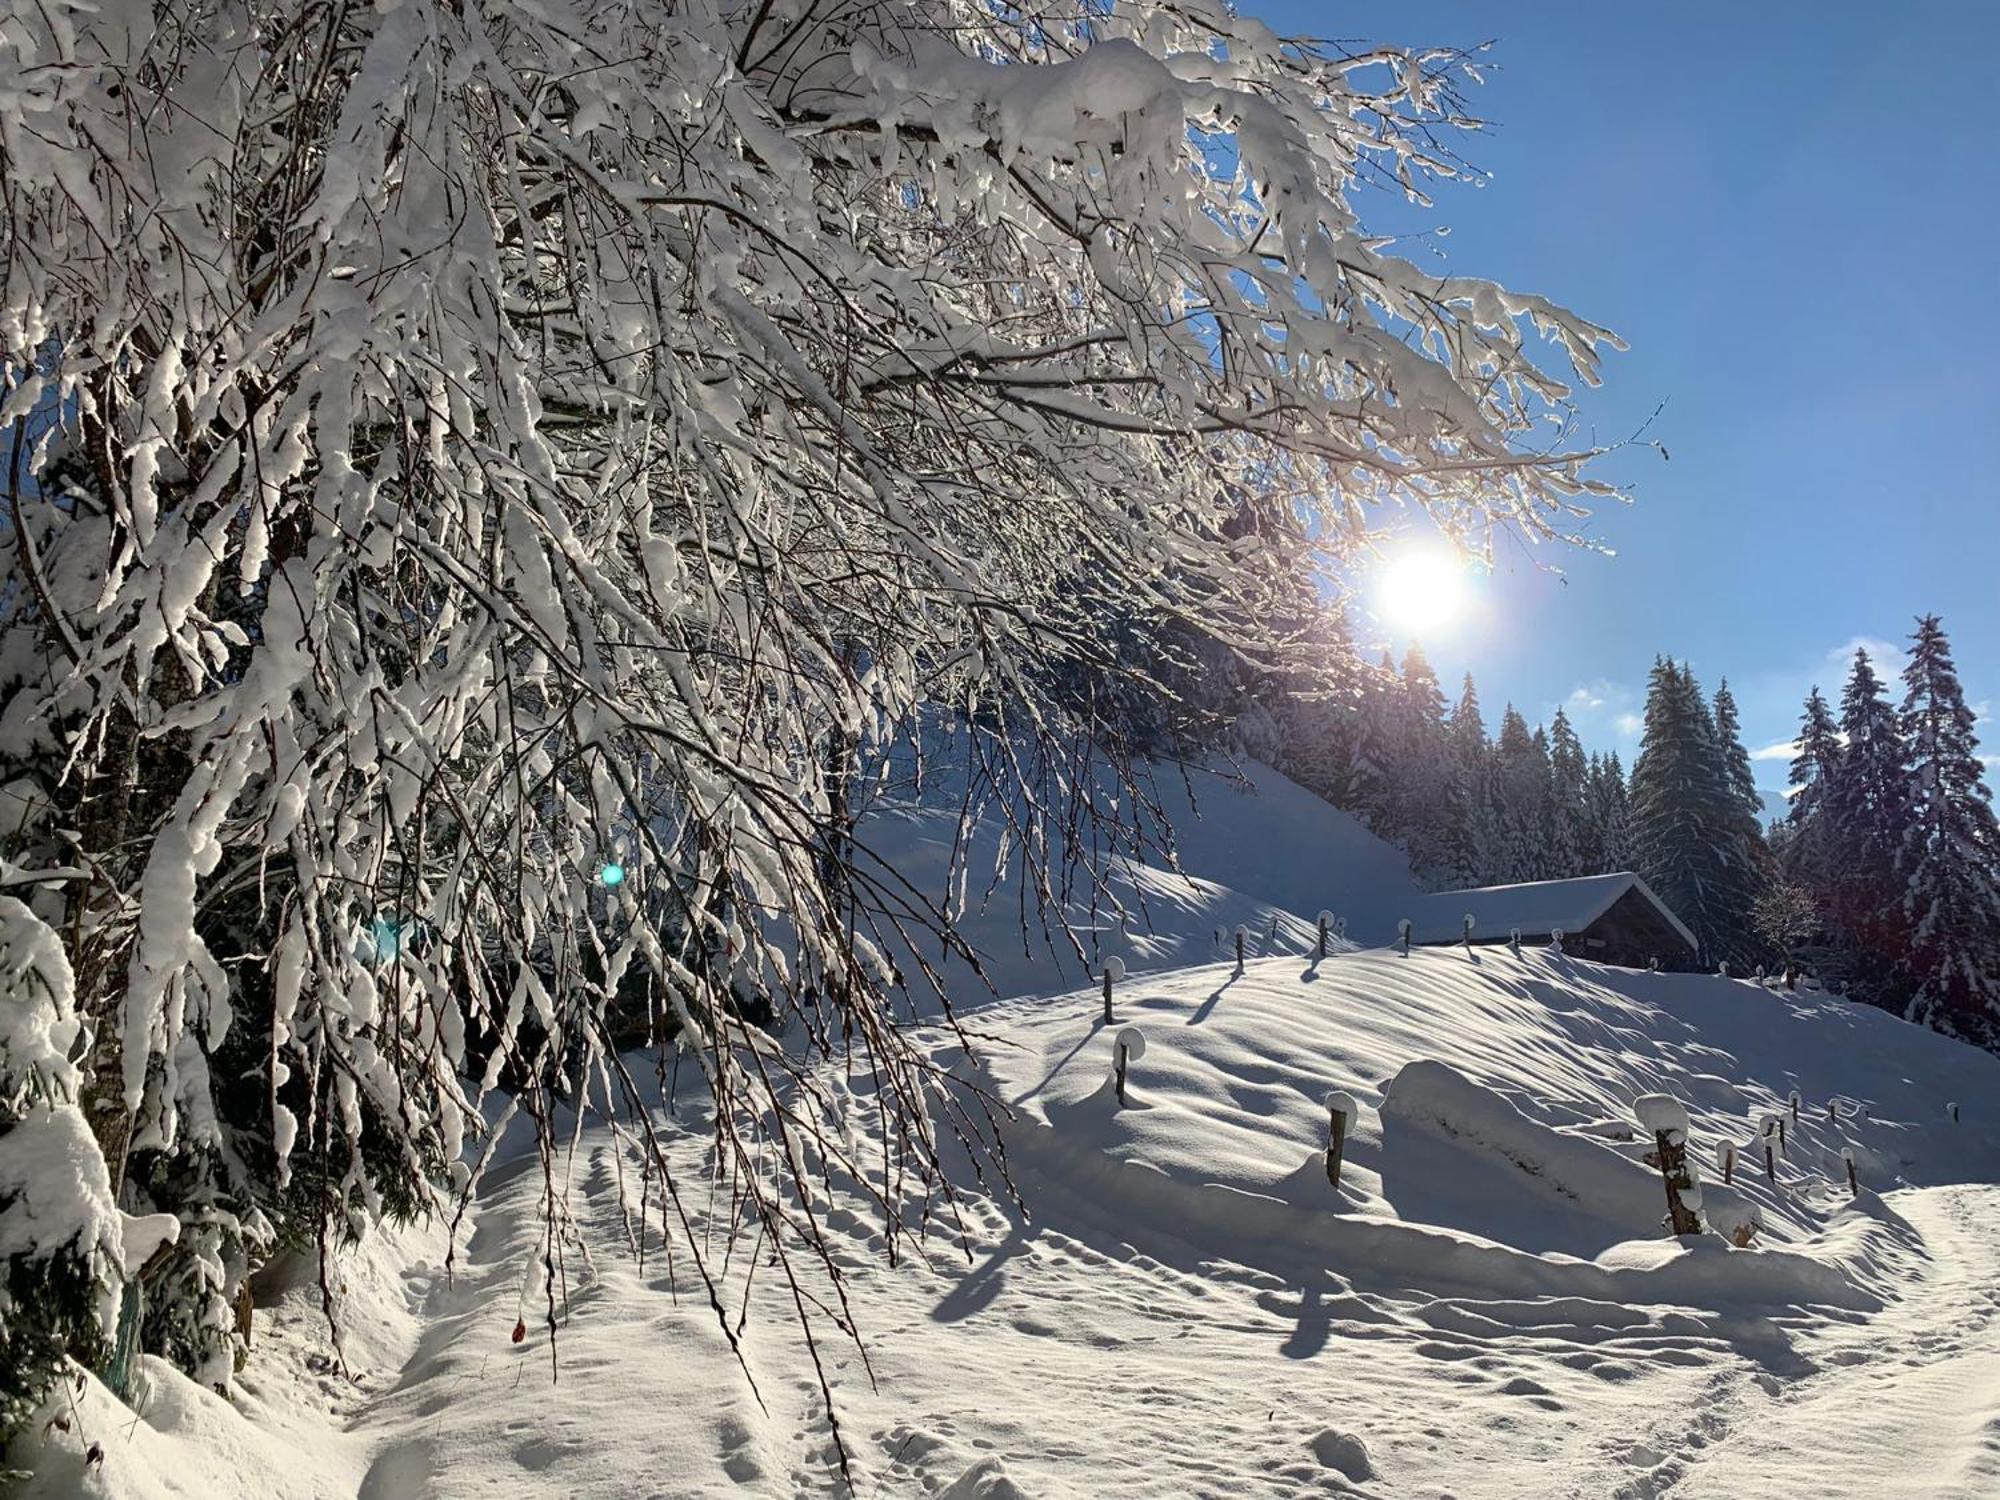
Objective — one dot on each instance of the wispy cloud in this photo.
(1601, 708)
(1782, 750)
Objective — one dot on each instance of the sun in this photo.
(1421, 591)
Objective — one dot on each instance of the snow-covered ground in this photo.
(1487, 1307)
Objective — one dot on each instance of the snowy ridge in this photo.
(1254, 849)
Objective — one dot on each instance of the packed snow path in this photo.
(1071, 1359)
(1905, 1404)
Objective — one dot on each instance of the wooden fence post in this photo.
(1340, 1112)
(1325, 926)
(1794, 1102)
(1242, 937)
(1470, 923)
(1853, 1179)
(1403, 930)
(1131, 1046)
(1952, 1110)
(1666, 1117)
(1114, 970)
(1725, 1157)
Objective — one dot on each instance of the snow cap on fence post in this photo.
(1556, 941)
(1662, 1114)
(1470, 923)
(1403, 931)
(1514, 941)
(1951, 1111)
(1725, 1158)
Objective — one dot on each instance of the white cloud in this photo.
(1602, 706)
(1782, 750)
(1887, 657)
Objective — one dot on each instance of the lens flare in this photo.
(1421, 591)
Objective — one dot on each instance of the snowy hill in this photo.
(1496, 1101)
(1487, 1308)
(1253, 849)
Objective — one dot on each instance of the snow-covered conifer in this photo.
(1951, 851)
(1569, 797)
(1866, 808)
(1522, 812)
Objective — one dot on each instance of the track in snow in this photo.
(1903, 1404)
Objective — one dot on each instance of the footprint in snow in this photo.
(1344, 1453)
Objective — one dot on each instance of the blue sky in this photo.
(1789, 211)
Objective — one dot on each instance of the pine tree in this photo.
(1867, 811)
(1378, 736)
(1806, 857)
(1951, 852)
(1742, 780)
(1681, 812)
(1318, 719)
(1521, 784)
(1569, 813)
(1606, 845)
(1423, 772)
(1470, 836)
(1745, 868)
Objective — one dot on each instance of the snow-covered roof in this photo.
(1537, 908)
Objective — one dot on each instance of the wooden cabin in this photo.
(1609, 919)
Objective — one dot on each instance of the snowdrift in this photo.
(1496, 1147)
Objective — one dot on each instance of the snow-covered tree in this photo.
(1866, 806)
(1748, 866)
(1469, 833)
(1607, 824)
(1951, 851)
(1423, 771)
(1522, 813)
(1569, 778)
(1372, 792)
(1687, 835)
(1807, 859)
(493, 445)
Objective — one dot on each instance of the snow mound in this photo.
(1493, 1144)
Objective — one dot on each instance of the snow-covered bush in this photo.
(471, 440)
(60, 1236)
